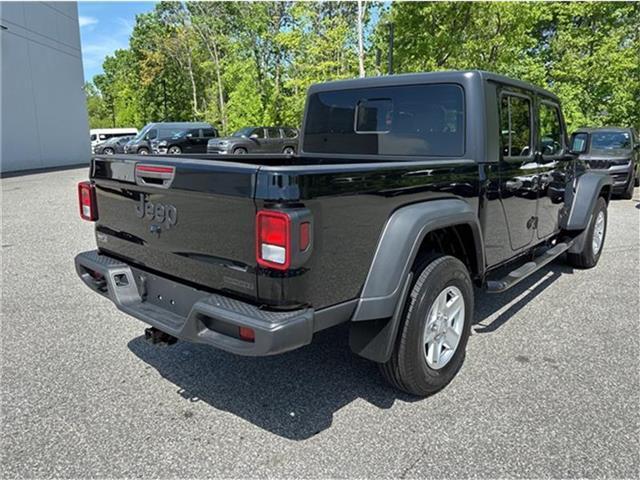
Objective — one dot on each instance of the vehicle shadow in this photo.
(295, 395)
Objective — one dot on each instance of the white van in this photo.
(99, 135)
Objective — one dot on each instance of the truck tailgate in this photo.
(188, 219)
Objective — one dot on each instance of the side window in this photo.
(273, 132)
(93, 137)
(290, 132)
(550, 130)
(152, 134)
(258, 132)
(194, 132)
(515, 126)
(208, 132)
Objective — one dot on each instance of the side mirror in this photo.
(189, 135)
(253, 135)
(579, 143)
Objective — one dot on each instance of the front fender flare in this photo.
(584, 198)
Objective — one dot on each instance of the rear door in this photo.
(187, 219)
(518, 170)
(273, 141)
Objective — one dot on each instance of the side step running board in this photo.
(519, 274)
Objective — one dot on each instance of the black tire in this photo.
(174, 150)
(289, 150)
(407, 369)
(636, 182)
(239, 151)
(108, 151)
(588, 258)
(143, 151)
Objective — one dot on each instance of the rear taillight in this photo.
(87, 201)
(273, 239)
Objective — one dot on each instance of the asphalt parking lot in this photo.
(550, 387)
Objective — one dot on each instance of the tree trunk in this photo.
(194, 90)
(360, 39)
(221, 106)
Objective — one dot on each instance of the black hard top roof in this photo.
(448, 76)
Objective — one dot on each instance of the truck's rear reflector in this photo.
(247, 334)
(87, 201)
(305, 238)
(273, 239)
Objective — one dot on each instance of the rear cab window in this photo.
(404, 120)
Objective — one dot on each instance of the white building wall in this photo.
(43, 113)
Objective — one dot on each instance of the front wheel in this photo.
(108, 151)
(432, 338)
(143, 151)
(289, 150)
(239, 151)
(174, 150)
(594, 241)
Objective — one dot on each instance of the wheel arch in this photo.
(449, 226)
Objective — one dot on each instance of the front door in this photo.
(518, 176)
(555, 167)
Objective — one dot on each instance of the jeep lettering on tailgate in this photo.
(159, 212)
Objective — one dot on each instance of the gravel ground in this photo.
(550, 387)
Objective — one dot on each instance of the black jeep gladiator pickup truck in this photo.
(407, 192)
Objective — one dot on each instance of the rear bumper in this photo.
(191, 314)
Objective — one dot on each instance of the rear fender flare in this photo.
(377, 315)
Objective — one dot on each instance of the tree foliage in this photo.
(241, 63)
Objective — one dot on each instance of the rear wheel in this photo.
(239, 151)
(594, 241)
(143, 151)
(289, 150)
(432, 338)
(174, 150)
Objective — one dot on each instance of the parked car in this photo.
(403, 197)
(257, 140)
(141, 144)
(614, 151)
(112, 146)
(99, 135)
(189, 140)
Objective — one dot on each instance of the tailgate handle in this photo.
(155, 175)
